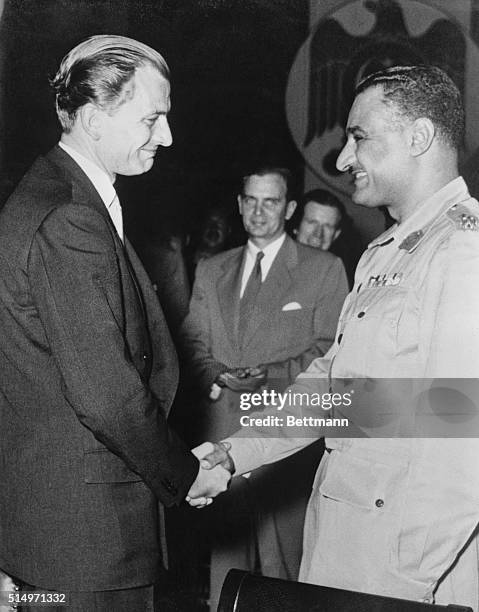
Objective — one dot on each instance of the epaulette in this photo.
(462, 218)
(411, 241)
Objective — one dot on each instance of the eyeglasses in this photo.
(269, 204)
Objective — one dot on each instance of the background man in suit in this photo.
(88, 367)
(321, 221)
(259, 314)
(399, 516)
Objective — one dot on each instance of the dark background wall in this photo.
(229, 60)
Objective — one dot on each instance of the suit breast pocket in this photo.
(102, 466)
(109, 292)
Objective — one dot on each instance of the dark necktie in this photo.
(248, 300)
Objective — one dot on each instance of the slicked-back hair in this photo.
(97, 71)
(423, 91)
(284, 173)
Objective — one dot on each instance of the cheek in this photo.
(277, 219)
(136, 139)
(371, 155)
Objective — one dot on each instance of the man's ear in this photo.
(290, 208)
(91, 120)
(337, 233)
(240, 207)
(423, 133)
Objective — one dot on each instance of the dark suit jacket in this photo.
(88, 373)
(294, 322)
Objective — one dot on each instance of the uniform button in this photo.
(379, 503)
(340, 337)
(361, 314)
(145, 356)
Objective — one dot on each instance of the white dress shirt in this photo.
(270, 253)
(102, 183)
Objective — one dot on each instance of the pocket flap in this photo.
(357, 481)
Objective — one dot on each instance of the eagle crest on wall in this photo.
(339, 59)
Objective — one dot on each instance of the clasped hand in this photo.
(216, 468)
(243, 379)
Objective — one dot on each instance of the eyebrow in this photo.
(355, 129)
(156, 113)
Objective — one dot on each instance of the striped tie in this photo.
(248, 301)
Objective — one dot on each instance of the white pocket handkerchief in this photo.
(292, 306)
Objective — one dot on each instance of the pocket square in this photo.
(292, 306)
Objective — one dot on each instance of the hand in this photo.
(210, 481)
(211, 455)
(215, 392)
(6, 584)
(243, 379)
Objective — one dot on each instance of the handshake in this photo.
(214, 475)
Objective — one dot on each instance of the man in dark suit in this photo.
(243, 338)
(88, 367)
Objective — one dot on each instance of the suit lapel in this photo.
(164, 375)
(273, 289)
(228, 289)
(83, 190)
(164, 367)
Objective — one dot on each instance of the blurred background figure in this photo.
(162, 255)
(212, 237)
(321, 221)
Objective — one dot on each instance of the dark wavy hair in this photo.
(422, 91)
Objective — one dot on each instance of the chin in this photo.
(147, 165)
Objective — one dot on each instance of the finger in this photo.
(214, 458)
(203, 449)
(208, 501)
(198, 501)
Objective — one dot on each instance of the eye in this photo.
(149, 121)
(270, 203)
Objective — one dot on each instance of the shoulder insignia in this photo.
(410, 241)
(463, 219)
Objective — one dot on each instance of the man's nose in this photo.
(162, 133)
(258, 207)
(319, 231)
(346, 157)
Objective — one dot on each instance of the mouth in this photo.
(359, 177)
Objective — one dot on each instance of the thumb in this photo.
(203, 449)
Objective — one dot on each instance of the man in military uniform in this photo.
(398, 516)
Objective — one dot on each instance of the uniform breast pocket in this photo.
(369, 329)
(361, 483)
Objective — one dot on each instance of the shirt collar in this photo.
(270, 251)
(100, 179)
(421, 219)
